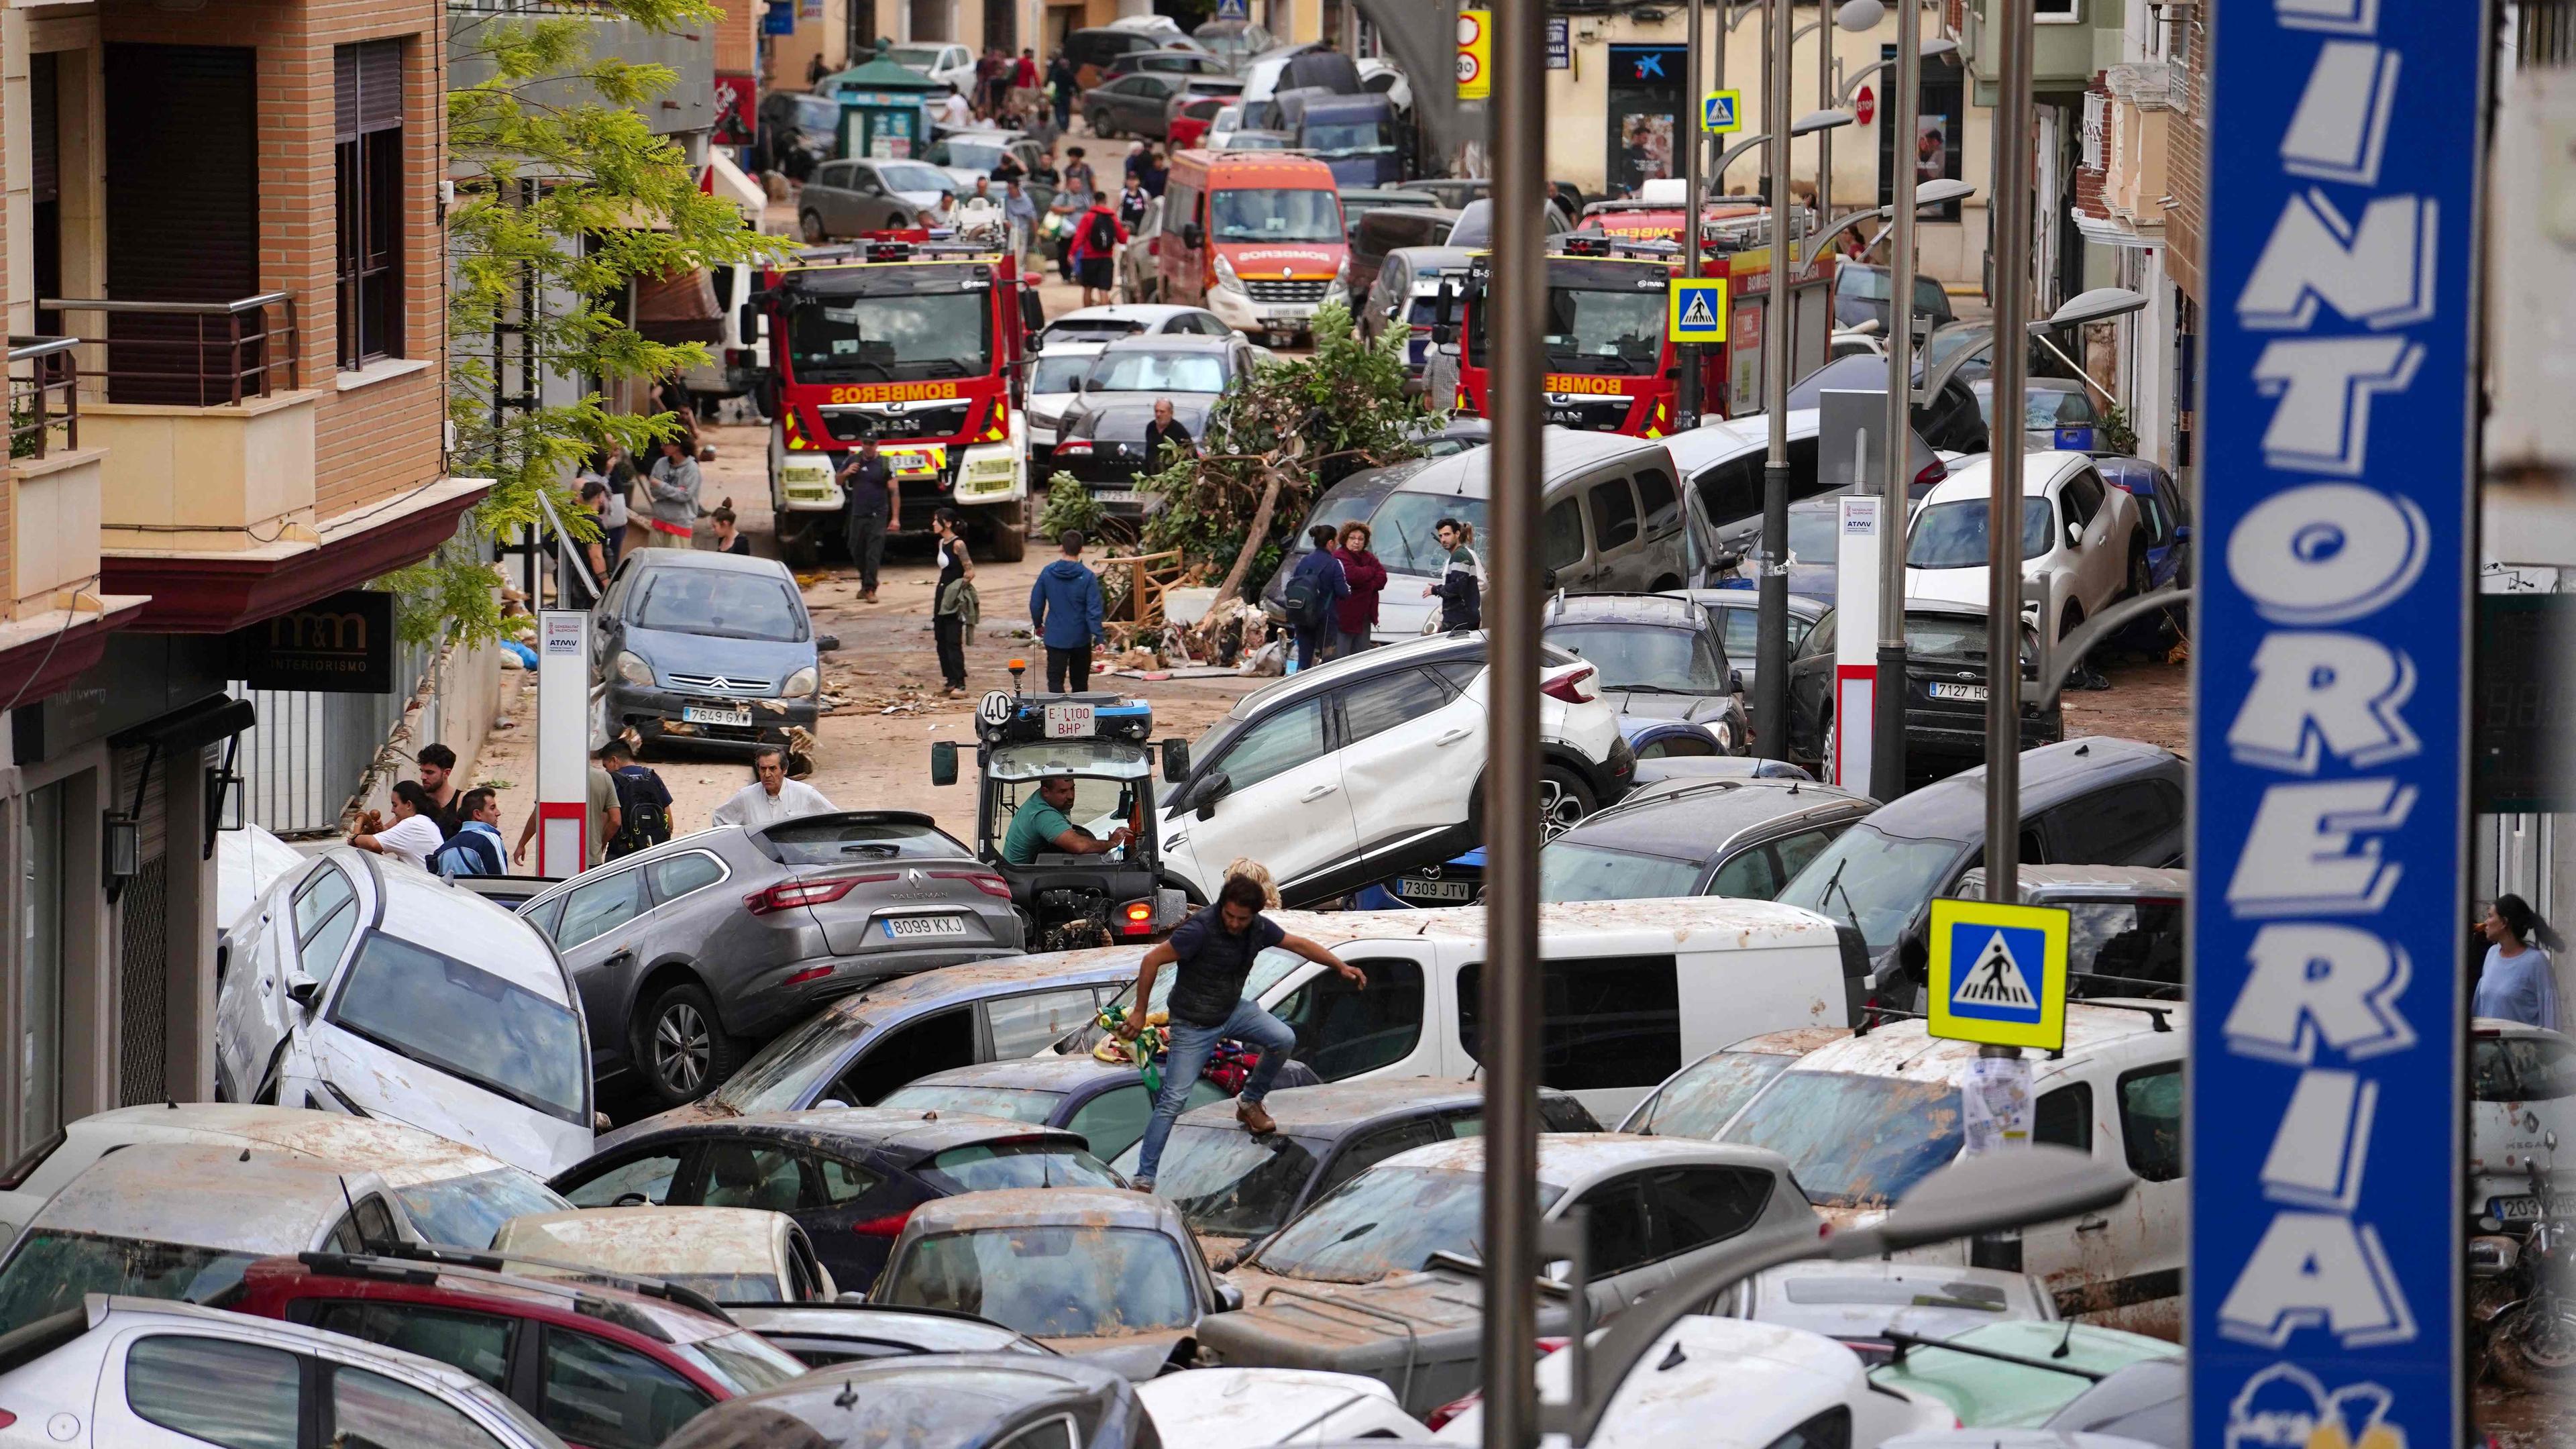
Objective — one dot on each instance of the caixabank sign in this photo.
(2330, 699)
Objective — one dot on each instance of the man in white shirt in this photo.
(954, 113)
(773, 797)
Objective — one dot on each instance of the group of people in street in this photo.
(451, 832)
(1331, 598)
(659, 504)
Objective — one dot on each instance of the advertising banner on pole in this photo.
(2331, 663)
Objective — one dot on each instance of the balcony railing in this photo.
(46, 397)
(194, 354)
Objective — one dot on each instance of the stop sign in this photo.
(1865, 106)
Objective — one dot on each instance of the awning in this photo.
(723, 178)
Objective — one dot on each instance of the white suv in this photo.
(1374, 764)
(2079, 539)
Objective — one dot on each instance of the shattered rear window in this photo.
(1051, 1281)
(1854, 1140)
(1703, 1096)
(1387, 1220)
(1225, 1180)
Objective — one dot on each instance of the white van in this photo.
(1630, 990)
(370, 987)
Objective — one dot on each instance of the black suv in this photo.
(1945, 692)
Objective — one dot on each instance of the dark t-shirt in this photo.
(1208, 977)
(869, 486)
(450, 815)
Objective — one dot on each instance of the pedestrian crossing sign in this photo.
(1721, 113)
(1998, 974)
(1695, 309)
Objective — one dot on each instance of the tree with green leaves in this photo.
(1269, 441)
(565, 195)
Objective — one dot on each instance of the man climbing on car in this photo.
(1211, 955)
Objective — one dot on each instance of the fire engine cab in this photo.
(918, 344)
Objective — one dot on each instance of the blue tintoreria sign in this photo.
(2331, 649)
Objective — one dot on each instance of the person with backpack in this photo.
(475, 848)
(643, 801)
(1096, 238)
(1315, 587)
(1461, 586)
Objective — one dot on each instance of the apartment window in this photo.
(368, 166)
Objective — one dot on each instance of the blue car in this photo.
(2164, 516)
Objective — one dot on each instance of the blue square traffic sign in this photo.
(1721, 112)
(2005, 980)
(1998, 973)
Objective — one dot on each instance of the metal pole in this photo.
(1771, 646)
(1825, 29)
(1509, 1050)
(1686, 414)
(1887, 711)
(2010, 229)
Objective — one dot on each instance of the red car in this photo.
(603, 1367)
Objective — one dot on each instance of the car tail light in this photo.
(1571, 686)
(1136, 918)
(1932, 472)
(810, 973)
(884, 1227)
(7, 1418)
(787, 895)
(985, 881)
(1073, 445)
(1452, 1409)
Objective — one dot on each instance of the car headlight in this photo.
(1225, 276)
(800, 684)
(1342, 274)
(634, 670)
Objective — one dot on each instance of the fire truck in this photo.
(920, 345)
(1609, 367)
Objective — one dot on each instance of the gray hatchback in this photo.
(690, 955)
(707, 648)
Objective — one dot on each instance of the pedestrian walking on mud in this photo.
(955, 609)
(1065, 610)
(876, 509)
(1210, 956)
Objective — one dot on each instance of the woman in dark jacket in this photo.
(1355, 617)
(1322, 573)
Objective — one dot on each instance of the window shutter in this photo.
(367, 88)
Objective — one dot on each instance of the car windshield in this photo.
(730, 1287)
(1252, 141)
(1634, 656)
(1402, 536)
(1389, 1219)
(1853, 1140)
(1336, 510)
(50, 1271)
(826, 841)
(1017, 1104)
(1050, 1282)
(971, 155)
(1815, 535)
(1952, 535)
(1700, 1098)
(1348, 137)
(468, 1211)
(1568, 871)
(1872, 881)
(896, 337)
(914, 176)
(1594, 330)
(782, 1075)
(1156, 372)
(915, 57)
(743, 1362)
(469, 1023)
(1227, 1181)
(2042, 407)
(720, 604)
(993, 1166)
(1871, 284)
(1245, 215)
(1060, 372)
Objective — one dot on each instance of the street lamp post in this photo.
(1771, 656)
(2010, 229)
(1686, 414)
(1887, 697)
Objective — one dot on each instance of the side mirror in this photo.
(852, 1295)
(943, 763)
(1735, 681)
(2182, 533)
(1193, 235)
(1446, 307)
(1229, 1298)
(2074, 536)
(1444, 335)
(303, 993)
(1176, 761)
(599, 1122)
(1212, 789)
(1032, 312)
(826, 643)
(748, 319)
(1727, 560)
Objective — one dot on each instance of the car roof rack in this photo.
(491, 1262)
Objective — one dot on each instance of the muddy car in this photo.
(952, 1400)
(1235, 1188)
(1861, 1305)
(820, 1335)
(849, 1177)
(1383, 1277)
(1863, 1119)
(1103, 1103)
(184, 1221)
(1703, 1097)
(1248, 1407)
(453, 1194)
(727, 1255)
(1096, 1273)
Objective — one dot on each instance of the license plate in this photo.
(2526, 1209)
(716, 714)
(1289, 318)
(1118, 495)
(1068, 722)
(914, 462)
(904, 928)
(1434, 890)
(1973, 693)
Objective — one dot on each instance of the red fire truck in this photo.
(917, 344)
(1610, 368)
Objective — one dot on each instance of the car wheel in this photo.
(1563, 799)
(685, 1050)
(2067, 621)
(811, 226)
(2141, 577)
(1099, 125)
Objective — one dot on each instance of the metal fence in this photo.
(304, 759)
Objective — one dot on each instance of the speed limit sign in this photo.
(1475, 55)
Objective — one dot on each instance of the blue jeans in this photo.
(1191, 1048)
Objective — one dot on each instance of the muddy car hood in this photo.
(1353, 1328)
(1696, 708)
(1135, 1357)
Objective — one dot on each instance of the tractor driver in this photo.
(1040, 824)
